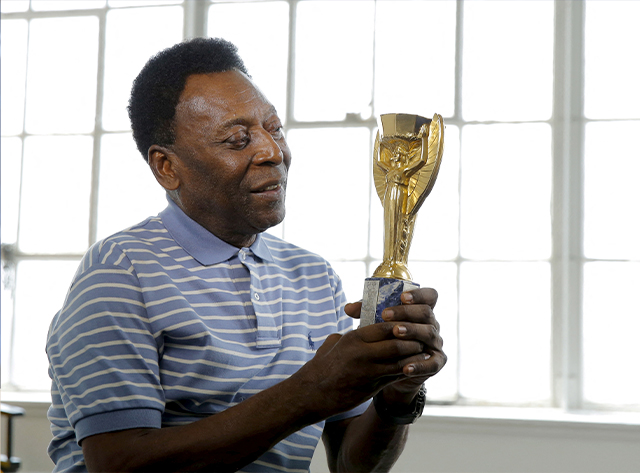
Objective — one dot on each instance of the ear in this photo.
(162, 162)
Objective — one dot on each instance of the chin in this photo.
(266, 224)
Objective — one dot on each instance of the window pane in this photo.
(443, 278)
(10, 6)
(10, 187)
(505, 337)
(612, 75)
(61, 94)
(415, 57)
(56, 179)
(506, 191)
(333, 76)
(128, 192)
(328, 191)
(436, 231)
(40, 292)
(57, 5)
(261, 33)
(123, 62)
(141, 3)
(6, 301)
(611, 192)
(14, 71)
(507, 60)
(611, 325)
(353, 274)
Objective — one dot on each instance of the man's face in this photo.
(232, 158)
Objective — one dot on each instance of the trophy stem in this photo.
(397, 241)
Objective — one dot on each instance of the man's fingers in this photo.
(424, 364)
(426, 334)
(389, 350)
(419, 314)
(353, 309)
(423, 295)
(417, 307)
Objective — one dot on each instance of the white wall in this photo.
(450, 442)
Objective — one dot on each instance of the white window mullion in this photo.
(98, 131)
(457, 116)
(568, 150)
(293, 8)
(195, 19)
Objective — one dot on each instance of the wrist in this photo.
(398, 394)
(400, 413)
(317, 400)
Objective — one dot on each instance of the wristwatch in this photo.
(400, 415)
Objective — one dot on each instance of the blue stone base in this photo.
(380, 293)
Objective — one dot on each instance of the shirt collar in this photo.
(204, 246)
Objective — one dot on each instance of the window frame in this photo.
(568, 131)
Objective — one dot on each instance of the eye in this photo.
(278, 132)
(275, 129)
(238, 140)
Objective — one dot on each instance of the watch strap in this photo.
(400, 415)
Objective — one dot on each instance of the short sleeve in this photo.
(102, 353)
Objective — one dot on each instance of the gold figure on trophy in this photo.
(406, 159)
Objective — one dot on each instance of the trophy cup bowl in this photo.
(406, 160)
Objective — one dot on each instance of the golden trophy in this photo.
(406, 159)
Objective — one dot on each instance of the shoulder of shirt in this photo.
(112, 250)
(283, 250)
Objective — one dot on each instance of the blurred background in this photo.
(531, 235)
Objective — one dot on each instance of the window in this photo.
(530, 234)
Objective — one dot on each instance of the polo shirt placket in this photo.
(266, 305)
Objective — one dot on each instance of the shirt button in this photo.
(256, 296)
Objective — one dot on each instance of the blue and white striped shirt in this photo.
(165, 324)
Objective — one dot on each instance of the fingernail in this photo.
(387, 314)
(411, 368)
(427, 356)
(402, 329)
(408, 297)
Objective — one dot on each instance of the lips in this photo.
(268, 186)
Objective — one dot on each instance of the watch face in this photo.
(420, 401)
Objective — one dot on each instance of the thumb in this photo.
(353, 309)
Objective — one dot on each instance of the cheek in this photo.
(218, 175)
(286, 154)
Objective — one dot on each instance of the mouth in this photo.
(272, 190)
(269, 188)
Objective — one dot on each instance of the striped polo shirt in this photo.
(165, 324)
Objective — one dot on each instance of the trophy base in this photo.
(380, 293)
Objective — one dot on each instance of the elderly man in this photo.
(193, 340)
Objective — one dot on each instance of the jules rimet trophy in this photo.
(406, 159)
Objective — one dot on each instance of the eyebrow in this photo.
(243, 120)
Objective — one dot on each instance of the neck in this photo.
(239, 240)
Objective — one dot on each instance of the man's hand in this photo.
(349, 369)
(368, 442)
(413, 320)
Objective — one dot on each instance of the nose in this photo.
(268, 150)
